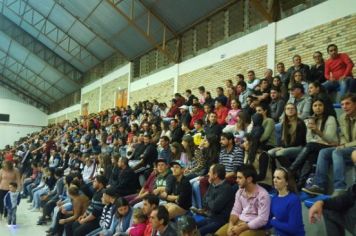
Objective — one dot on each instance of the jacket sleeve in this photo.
(342, 202)
(349, 64)
(219, 203)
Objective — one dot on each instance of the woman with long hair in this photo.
(293, 137)
(286, 210)
(165, 129)
(122, 218)
(8, 174)
(298, 78)
(232, 115)
(321, 133)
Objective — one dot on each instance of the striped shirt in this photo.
(232, 160)
(107, 215)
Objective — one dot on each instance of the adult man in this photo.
(251, 208)
(150, 202)
(244, 93)
(126, 182)
(251, 81)
(159, 219)
(338, 70)
(184, 116)
(221, 96)
(213, 127)
(197, 114)
(302, 102)
(177, 133)
(148, 156)
(178, 192)
(165, 152)
(339, 212)
(221, 111)
(218, 201)
(277, 104)
(90, 219)
(190, 97)
(337, 155)
(231, 156)
(298, 65)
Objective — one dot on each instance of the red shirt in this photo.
(340, 66)
(221, 114)
(197, 116)
(148, 230)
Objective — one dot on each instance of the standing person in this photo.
(11, 201)
(8, 174)
(251, 208)
(317, 70)
(338, 71)
(286, 211)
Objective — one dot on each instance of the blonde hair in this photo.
(139, 215)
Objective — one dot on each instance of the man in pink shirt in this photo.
(251, 208)
(338, 71)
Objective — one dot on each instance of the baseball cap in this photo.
(178, 162)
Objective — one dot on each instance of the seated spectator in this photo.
(301, 101)
(201, 95)
(221, 111)
(89, 221)
(240, 128)
(89, 170)
(161, 225)
(213, 127)
(190, 97)
(293, 137)
(251, 81)
(184, 115)
(339, 212)
(197, 114)
(321, 133)
(316, 90)
(317, 70)
(297, 78)
(180, 99)
(176, 131)
(178, 192)
(277, 104)
(187, 226)
(232, 116)
(127, 180)
(267, 139)
(121, 220)
(164, 150)
(165, 129)
(150, 202)
(155, 132)
(299, 66)
(218, 201)
(173, 110)
(284, 80)
(254, 136)
(286, 210)
(338, 71)
(244, 93)
(262, 94)
(139, 223)
(189, 151)
(251, 209)
(220, 96)
(207, 110)
(80, 203)
(337, 156)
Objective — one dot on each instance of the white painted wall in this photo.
(24, 119)
(310, 18)
(65, 111)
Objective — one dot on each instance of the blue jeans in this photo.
(337, 158)
(343, 85)
(196, 196)
(209, 225)
(11, 216)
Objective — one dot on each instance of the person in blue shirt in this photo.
(286, 210)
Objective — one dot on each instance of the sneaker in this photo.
(337, 193)
(315, 190)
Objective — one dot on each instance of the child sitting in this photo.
(139, 223)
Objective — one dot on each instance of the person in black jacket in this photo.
(339, 213)
(176, 131)
(127, 179)
(213, 128)
(218, 203)
(178, 192)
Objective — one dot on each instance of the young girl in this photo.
(139, 223)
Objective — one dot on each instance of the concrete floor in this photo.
(26, 223)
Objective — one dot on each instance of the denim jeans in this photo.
(196, 196)
(344, 85)
(337, 158)
(11, 216)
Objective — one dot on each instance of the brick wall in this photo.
(342, 32)
(163, 92)
(214, 75)
(92, 97)
(108, 91)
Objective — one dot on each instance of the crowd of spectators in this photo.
(148, 169)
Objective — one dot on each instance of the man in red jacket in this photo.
(196, 114)
(221, 111)
(338, 71)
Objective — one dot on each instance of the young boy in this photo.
(11, 201)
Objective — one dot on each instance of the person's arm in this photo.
(268, 130)
(295, 218)
(327, 70)
(305, 112)
(219, 203)
(330, 130)
(341, 202)
(349, 64)
(264, 203)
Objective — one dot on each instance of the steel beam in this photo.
(147, 36)
(38, 48)
(45, 27)
(8, 84)
(83, 22)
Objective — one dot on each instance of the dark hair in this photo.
(249, 171)
(74, 190)
(220, 88)
(13, 184)
(151, 199)
(199, 121)
(251, 71)
(201, 88)
(326, 112)
(242, 84)
(296, 55)
(69, 179)
(292, 187)
(120, 202)
(165, 138)
(101, 179)
(219, 169)
(266, 108)
(58, 172)
(280, 63)
(241, 76)
(163, 214)
(125, 160)
(228, 136)
(211, 153)
(331, 45)
(188, 91)
(351, 96)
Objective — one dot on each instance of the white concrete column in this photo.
(271, 46)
